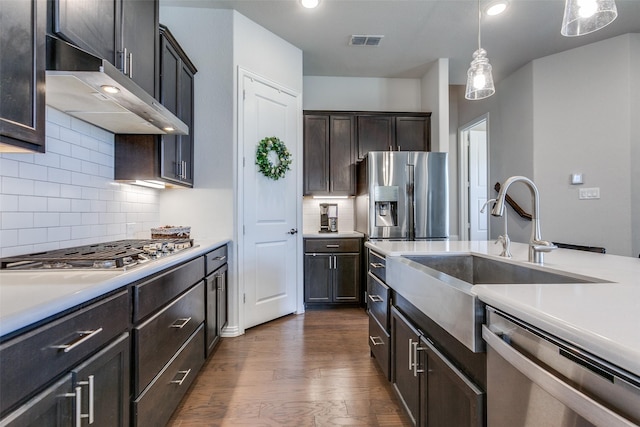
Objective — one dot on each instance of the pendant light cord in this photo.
(479, 17)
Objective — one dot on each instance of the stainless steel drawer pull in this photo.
(220, 258)
(83, 337)
(184, 377)
(376, 298)
(89, 383)
(333, 246)
(78, 406)
(182, 324)
(376, 265)
(376, 340)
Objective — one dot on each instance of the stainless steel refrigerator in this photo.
(403, 195)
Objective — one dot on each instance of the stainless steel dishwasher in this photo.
(536, 379)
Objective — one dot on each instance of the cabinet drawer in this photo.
(152, 294)
(379, 344)
(331, 245)
(378, 266)
(31, 360)
(216, 259)
(157, 339)
(378, 300)
(155, 406)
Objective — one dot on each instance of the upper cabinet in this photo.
(22, 75)
(167, 158)
(329, 146)
(124, 32)
(393, 131)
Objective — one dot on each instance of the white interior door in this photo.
(270, 208)
(478, 221)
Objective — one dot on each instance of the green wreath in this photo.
(268, 168)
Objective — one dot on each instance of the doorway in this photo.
(473, 147)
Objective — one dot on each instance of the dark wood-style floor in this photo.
(301, 370)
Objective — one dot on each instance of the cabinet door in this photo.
(223, 299)
(341, 156)
(316, 154)
(89, 24)
(105, 383)
(317, 277)
(186, 115)
(346, 279)
(22, 78)
(406, 382)
(448, 397)
(140, 38)
(53, 407)
(413, 133)
(375, 133)
(212, 335)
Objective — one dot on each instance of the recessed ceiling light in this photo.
(310, 4)
(496, 7)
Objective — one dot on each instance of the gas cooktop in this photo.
(119, 254)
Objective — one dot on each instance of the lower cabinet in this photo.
(332, 271)
(96, 393)
(216, 296)
(434, 391)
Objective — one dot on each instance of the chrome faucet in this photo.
(504, 239)
(537, 246)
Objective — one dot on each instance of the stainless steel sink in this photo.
(477, 270)
(440, 286)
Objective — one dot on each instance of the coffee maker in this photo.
(328, 218)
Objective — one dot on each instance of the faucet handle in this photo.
(484, 207)
(543, 246)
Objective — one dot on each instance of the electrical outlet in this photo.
(589, 193)
(131, 230)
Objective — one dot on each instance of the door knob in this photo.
(292, 231)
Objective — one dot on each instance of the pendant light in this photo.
(479, 78)
(586, 16)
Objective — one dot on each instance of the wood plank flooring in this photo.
(303, 370)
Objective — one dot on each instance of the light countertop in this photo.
(309, 234)
(602, 318)
(27, 297)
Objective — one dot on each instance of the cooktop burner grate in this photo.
(109, 255)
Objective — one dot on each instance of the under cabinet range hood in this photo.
(93, 90)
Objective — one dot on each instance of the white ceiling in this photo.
(418, 32)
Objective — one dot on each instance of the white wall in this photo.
(361, 94)
(209, 207)
(435, 98)
(66, 196)
(570, 112)
(582, 124)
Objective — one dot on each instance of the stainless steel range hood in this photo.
(76, 82)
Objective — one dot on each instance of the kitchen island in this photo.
(601, 317)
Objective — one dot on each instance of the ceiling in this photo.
(418, 32)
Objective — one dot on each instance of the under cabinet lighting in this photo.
(150, 183)
(110, 89)
(330, 197)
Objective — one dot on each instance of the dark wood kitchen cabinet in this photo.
(83, 350)
(124, 32)
(332, 271)
(167, 158)
(393, 132)
(404, 365)
(329, 147)
(22, 75)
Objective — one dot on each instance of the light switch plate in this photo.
(589, 193)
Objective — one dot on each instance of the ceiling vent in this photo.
(365, 40)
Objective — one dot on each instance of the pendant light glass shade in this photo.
(586, 16)
(479, 77)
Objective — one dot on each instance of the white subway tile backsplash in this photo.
(67, 196)
(11, 185)
(49, 189)
(58, 204)
(46, 219)
(32, 204)
(9, 167)
(30, 236)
